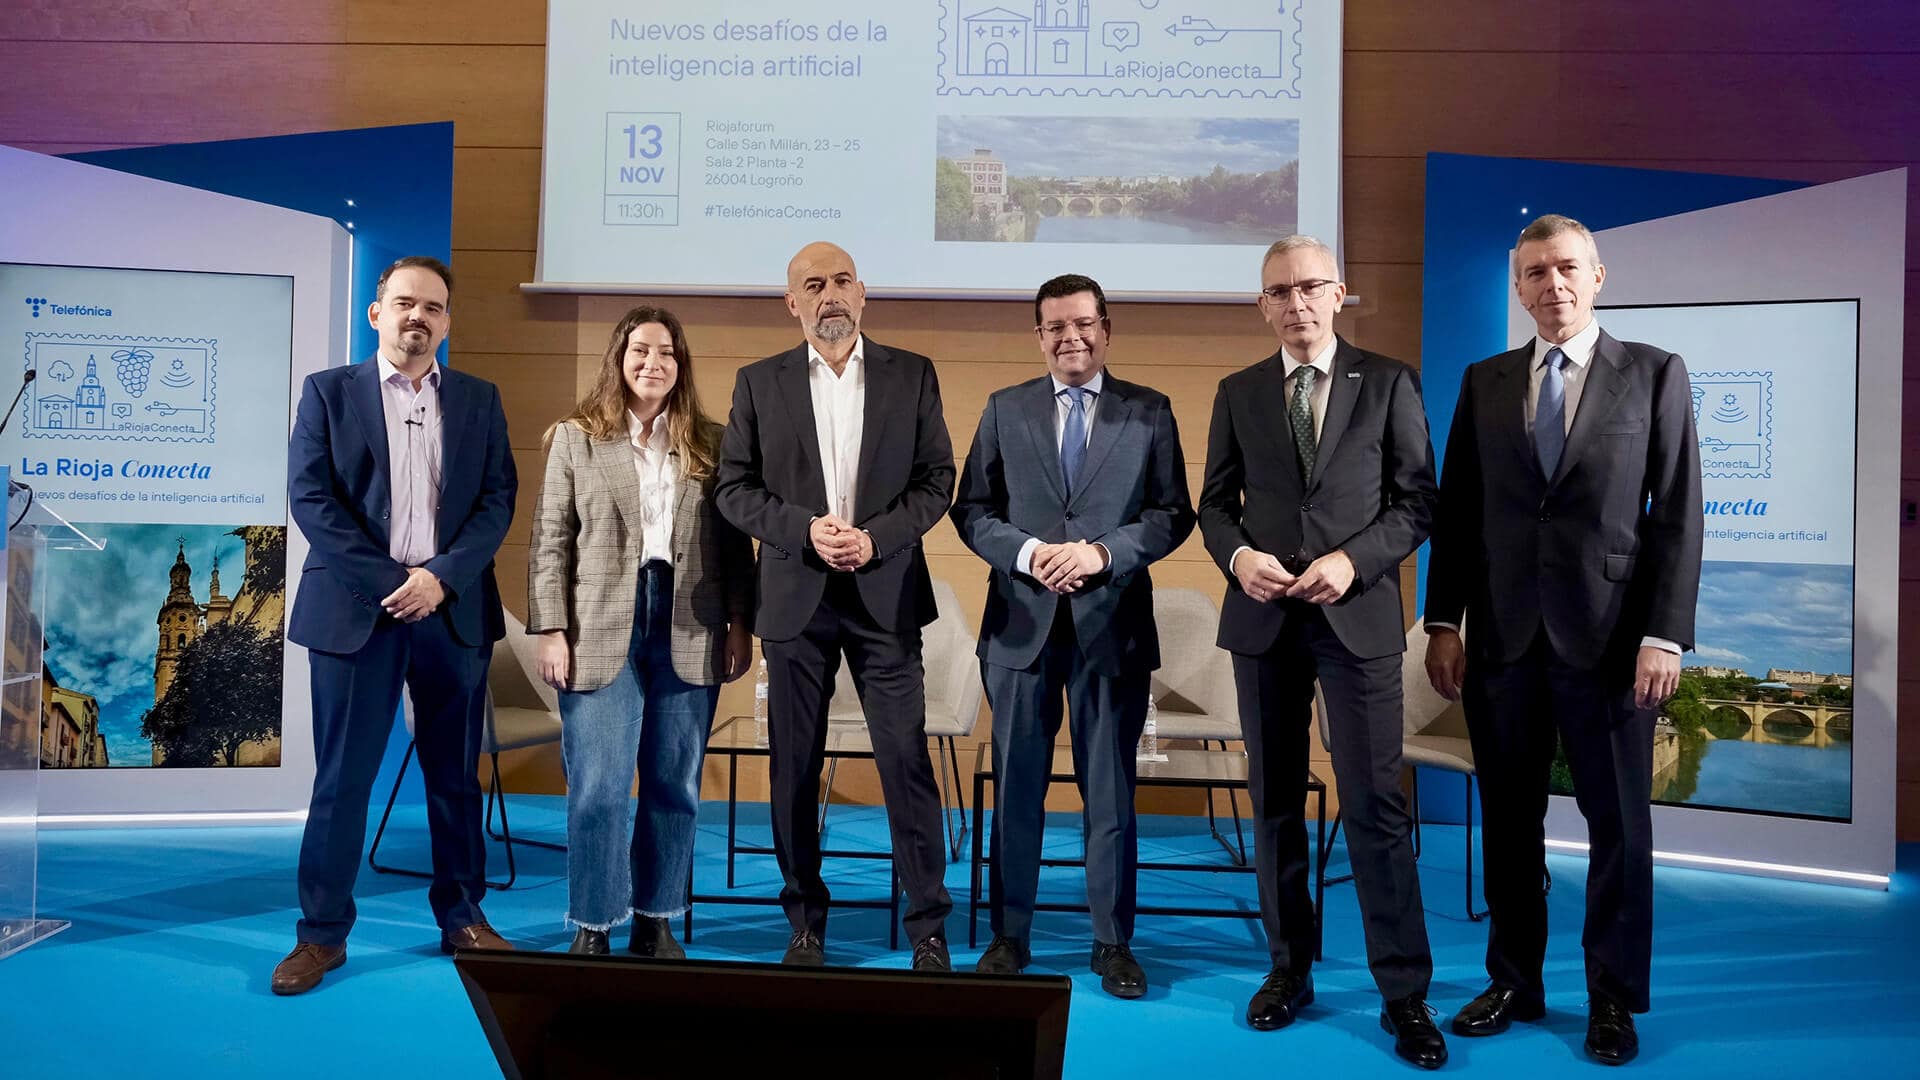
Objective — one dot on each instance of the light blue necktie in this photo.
(1550, 414)
(1073, 436)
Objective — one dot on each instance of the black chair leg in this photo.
(1472, 915)
(493, 794)
(548, 844)
(506, 831)
(398, 778)
(948, 770)
(1415, 808)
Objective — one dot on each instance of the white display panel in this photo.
(1763, 721)
(955, 147)
(249, 298)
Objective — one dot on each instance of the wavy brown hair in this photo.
(602, 414)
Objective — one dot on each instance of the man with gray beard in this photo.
(837, 459)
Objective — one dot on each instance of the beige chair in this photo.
(521, 711)
(953, 690)
(1433, 735)
(1193, 691)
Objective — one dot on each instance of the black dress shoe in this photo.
(806, 948)
(1005, 956)
(1495, 1010)
(1611, 1039)
(1414, 1036)
(1120, 974)
(589, 943)
(1279, 1000)
(930, 954)
(654, 938)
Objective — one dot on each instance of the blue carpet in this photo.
(165, 970)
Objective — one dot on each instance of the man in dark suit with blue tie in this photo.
(1569, 538)
(400, 478)
(1074, 486)
(1319, 483)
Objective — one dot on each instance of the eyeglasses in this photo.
(1310, 289)
(1057, 331)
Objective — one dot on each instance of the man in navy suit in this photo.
(1074, 486)
(1319, 483)
(1568, 536)
(400, 478)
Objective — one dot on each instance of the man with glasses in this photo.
(1074, 486)
(1319, 483)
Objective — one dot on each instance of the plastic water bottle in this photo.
(760, 704)
(1149, 748)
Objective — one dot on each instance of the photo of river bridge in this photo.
(1763, 719)
(1116, 180)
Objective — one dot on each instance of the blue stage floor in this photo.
(165, 971)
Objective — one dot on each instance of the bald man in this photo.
(836, 458)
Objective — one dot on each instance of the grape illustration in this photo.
(133, 367)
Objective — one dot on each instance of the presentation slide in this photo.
(154, 417)
(1763, 720)
(954, 147)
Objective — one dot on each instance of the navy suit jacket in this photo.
(340, 495)
(1131, 497)
(1371, 495)
(1604, 552)
(770, 486)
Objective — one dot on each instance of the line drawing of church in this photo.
(86, 410)
(1051, 41)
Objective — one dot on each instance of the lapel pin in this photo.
(1353, 374)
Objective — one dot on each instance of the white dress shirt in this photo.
(659, 470)
(1573, 377)
(413, 458)
(1062, 406)
(1321, 362)
(839, 413)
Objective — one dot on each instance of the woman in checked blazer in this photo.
(642, 598)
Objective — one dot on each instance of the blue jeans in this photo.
(648, 716)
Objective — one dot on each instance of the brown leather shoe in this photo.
(305, 966)
(476, 936)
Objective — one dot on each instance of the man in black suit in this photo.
(1319, 482)
(1074, 486)
(1569, 530)
(837, 459)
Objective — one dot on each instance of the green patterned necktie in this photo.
(1300, 412)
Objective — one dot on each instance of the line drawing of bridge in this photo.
(1086, 203)
(1757, 713)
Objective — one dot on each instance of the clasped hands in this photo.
(417, 597)
(1326, 580)
(1063, 568)
(840, 545)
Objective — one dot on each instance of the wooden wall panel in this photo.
(1816, 90)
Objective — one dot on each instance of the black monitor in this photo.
(550, 1015)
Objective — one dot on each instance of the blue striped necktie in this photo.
(1073, 436)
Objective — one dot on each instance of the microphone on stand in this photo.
(12, 484)
(32, 374)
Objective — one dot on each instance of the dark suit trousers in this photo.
(892, 686)
(1365, 724)
(1513, 711)
(354, 699)
(1107, 715)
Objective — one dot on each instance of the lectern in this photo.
(31, 529)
